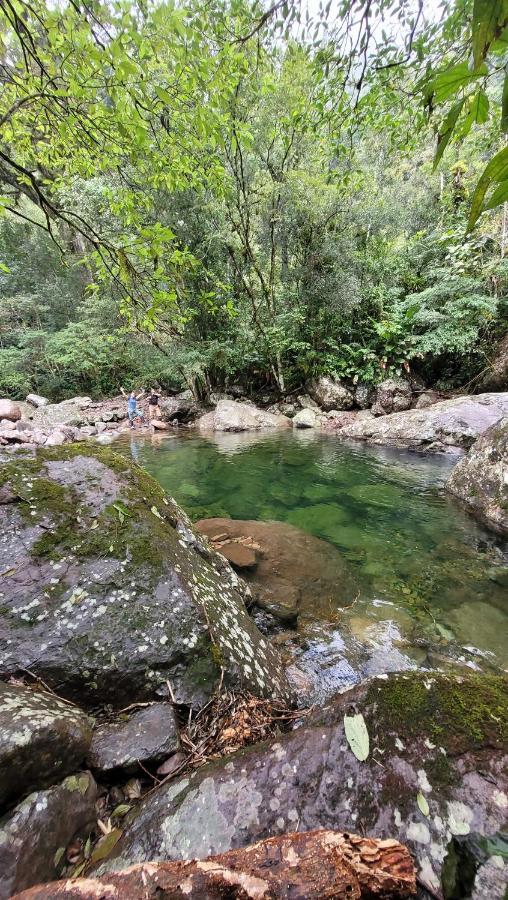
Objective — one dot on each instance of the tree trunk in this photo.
(312, 865)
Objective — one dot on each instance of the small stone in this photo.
(147, 736)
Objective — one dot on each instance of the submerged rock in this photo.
(436, 767)
(147, 735)
(447, 424)
(295, 572)
(107, 592)
(231, 415)
(307, 866)
(481, 478)
(41, 740)
(330, 394)
(35, 835)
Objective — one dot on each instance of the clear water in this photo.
(432, 583)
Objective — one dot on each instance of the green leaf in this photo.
(422, 803)
(357, 735)
(495, 172)
(447, 83)
(499, 196)
(105, 845)
(489, 16)
(4, 268)
(447, 130)
(504, 105)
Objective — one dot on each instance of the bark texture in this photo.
(304, 866)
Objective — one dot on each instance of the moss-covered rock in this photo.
(107, 593)
(480, 480)
(436, 768)
(41, 740)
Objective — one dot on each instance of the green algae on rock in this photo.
(107, 593)
(311, 779)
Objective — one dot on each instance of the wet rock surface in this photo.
(449, 424)
(307, 866)
(295, 572)
(231, 415)
(480, 480)
(107, 592)
(41, 740)
(436, 769)
(35, 835)
(146, 735)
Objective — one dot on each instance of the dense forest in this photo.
(211, 193)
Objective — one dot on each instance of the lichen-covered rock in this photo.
(231, 415)
(330, 394)
(308, 866)
(107, 592)
(447, 424)
(41, 740)
(364, 394)
(436, 768)
(294, 572)
(393, 395)
(10, 411)
(34, 836)
(481, 478)
(147, 735)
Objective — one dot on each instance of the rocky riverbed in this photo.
(130, 656)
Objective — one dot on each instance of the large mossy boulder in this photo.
(107, 593)
(480, 480)
(436, 768)
(41, 740)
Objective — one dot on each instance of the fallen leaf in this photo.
(132, 789)
(422, 803)
(156, 512)
(121, 810)
(357, 735)
(105, 845)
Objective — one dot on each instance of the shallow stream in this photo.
(432, 584)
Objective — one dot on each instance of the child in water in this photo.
(133, 410)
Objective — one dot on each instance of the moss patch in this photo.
(459, 714)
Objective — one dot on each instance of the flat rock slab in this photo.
(107, 593)
(480, 480)
(35, 835)
(450, 423)
(296, 573)
(41, 740)
(310, 866)
(146, 735)
(437, 767)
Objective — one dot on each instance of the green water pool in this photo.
(433, 583)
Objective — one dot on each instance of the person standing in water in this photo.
(154, 410)
(133, 410)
